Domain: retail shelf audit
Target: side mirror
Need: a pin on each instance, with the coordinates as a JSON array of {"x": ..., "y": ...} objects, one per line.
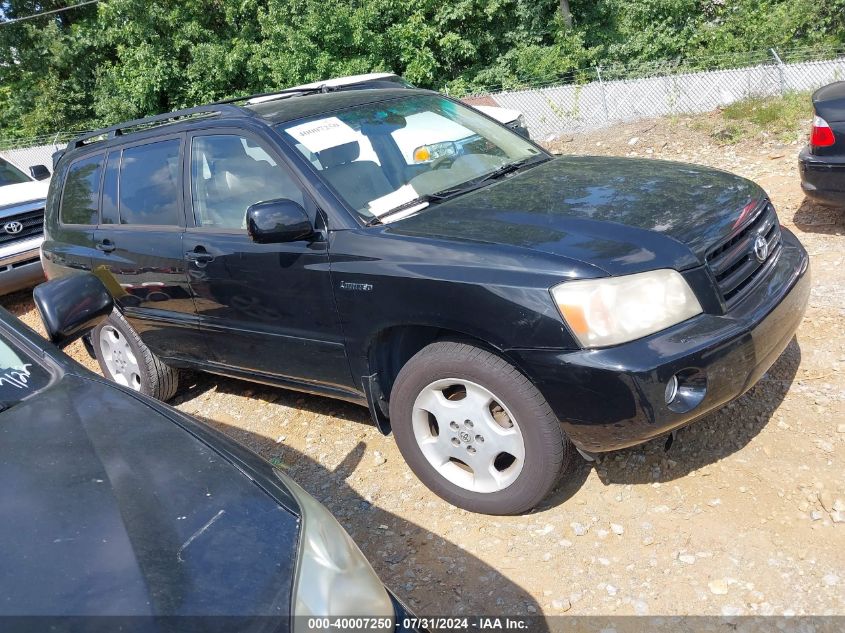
[
  {"x": 72, "y": 306},
  {"x": 276, "y": 221},
  {"x": 39, "y": 172}
]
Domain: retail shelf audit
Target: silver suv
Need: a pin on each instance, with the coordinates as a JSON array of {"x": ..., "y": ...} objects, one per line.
[{"x": 22, "y": 199}]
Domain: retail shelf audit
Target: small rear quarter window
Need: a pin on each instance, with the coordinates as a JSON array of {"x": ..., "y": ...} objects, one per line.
[{"x": 82, "y": 191}]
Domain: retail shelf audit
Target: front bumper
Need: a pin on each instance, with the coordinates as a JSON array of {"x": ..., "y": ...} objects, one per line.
[
  {"x": 822, "y": 177},
  {"x": 612, "y": 398},
  {"x": 20, "y": 265}
]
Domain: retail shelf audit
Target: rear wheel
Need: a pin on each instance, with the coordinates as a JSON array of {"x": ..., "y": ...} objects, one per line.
[
  {"x": 475, "y": 430},
  {"x": 124, "y": 359}
]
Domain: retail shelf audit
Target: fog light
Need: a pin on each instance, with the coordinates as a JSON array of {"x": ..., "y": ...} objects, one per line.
[
  {"x": 671, "y": 389},
  {"x": 686, "y": 390}
]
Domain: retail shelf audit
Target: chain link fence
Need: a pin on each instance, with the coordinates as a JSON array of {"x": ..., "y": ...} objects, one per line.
[
  {"x": 600, "y": 97},
  {"x": 26, "y": 157},
  {"x": 37, "y": 150}
]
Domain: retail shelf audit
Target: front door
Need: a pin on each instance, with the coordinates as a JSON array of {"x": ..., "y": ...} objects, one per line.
[
  {"x": 264, "y": 308},
  {"x": 138, "y": 246}
]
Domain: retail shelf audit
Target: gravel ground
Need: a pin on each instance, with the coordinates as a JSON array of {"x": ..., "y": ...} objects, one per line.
[{"x": 744, "y": 515}]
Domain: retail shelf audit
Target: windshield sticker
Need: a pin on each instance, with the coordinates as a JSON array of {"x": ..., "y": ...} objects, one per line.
[
  {"x": 16, "y": 376},
  {"x": 403, "y": 195},
  {"x": 323, "y": 133}
]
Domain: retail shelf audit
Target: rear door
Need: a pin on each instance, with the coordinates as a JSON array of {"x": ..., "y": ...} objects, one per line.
[
  {"x": 264, "y": 308},
  {"x": 138, "y": 245}
]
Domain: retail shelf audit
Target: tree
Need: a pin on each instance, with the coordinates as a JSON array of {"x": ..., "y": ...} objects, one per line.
[
  {"x": 566, "y": 13},
  {"x": 120, "y": 59}
]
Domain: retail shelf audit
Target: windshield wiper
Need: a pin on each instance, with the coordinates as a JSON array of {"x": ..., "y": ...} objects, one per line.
[
  {"x": 507, "y": 168},
  {"x": 427, "y": 198},
  {"x": 451, "y": 192}
]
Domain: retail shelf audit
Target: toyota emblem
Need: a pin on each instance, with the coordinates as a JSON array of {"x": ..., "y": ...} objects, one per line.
[
  {"x": 13, "y": 227},
  {"x": 761, "y": 248}
]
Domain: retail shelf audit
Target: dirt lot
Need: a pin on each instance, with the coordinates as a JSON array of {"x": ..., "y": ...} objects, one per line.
[{"x": 744, "y": 515}]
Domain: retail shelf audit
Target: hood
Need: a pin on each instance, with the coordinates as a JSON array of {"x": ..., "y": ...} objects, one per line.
[
  {"x": 502, "y": 115},
  {"x": 109, "y": 508},
  {"x": 23, "y": 192},
  {"x": 621, "y": 215}
]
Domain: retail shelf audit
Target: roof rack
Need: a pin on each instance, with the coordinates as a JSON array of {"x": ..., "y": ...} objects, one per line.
[
  {"x": 303, "y": 91},
  {"x": 281, "y": 94},
  {"x": 120, "y": 129}
]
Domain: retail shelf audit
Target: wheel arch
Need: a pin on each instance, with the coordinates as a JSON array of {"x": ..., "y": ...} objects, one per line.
[{"x": 392, "y": 347}]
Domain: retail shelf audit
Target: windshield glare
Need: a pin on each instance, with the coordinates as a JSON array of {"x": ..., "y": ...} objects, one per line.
[
  {"x": 382, "y": 156},
  {"x": 11, "y": 175}
]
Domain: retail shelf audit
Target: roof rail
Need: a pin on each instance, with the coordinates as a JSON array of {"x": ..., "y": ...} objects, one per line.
[
  {"x": 120, "y": 129},
  {"x": 281, "y": 93},
  {"x": 305, "y": 90}
]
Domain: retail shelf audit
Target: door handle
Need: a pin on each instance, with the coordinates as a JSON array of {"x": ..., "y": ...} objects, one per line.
[
  {"x": 199, "y": 256},
  {"x": 107, "y": 246}
]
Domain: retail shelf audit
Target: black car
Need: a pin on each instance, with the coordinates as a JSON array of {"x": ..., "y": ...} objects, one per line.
[
  {"x": 494, "y": 306},
  {"x": 822, "y": 161},
  {"x": 115, "y": 504}
]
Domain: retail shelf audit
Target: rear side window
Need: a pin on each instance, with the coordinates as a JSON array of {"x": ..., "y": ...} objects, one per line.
[
  {"x": 149, "y": 184},
  {"x": 81, "y": 191},
  {"x": 108, "y": 207}
]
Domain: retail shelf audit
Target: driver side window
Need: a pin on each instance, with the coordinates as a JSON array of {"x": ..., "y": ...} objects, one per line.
[{"x": 230, "y": 173}]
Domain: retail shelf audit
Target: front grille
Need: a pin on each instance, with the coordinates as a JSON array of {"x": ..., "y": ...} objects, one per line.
[
  {"x": 33, "y": 226},
  {"x": 735, "y": 264}
]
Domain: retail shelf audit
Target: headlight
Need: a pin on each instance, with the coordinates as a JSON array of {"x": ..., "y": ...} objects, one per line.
[
  {"x": 333, "y": 578},
  {"x": 615, "y": 310}
]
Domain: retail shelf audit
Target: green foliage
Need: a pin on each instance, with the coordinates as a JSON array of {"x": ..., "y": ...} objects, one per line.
[
  {"x": 121, "y": 59},
  {"x": 785, "y": 118}
]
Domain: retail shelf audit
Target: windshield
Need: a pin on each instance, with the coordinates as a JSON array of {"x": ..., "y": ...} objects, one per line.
[
  {"x": 404, "y": 153},
  {"x": 11, "y": 175},
  {"x": 20, "y": 375}
]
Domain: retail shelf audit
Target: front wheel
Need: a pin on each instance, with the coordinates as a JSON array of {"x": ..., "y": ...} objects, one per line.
[
  {"x": 126, "y": 360},
  {"x": 475, "y": 430}
]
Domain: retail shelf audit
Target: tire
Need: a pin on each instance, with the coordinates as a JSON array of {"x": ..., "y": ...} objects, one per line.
[
  {"x": 487, "y": 470},
  {"x": 126, "y": 360}
]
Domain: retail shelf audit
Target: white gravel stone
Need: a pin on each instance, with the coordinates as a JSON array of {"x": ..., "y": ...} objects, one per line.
[
  {"x": 718, "y": 587},
  {"x": 561, "y": 604},
  {"x": 617, "y": 529}
]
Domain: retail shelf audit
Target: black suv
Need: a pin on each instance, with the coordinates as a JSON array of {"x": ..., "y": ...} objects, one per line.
[{"x": 493, "y": 305}]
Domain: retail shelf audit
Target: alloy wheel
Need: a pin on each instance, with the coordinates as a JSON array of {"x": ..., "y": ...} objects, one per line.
[
  {"x": 468, "y": 435},
  {"x": 119, "y": 358}
]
